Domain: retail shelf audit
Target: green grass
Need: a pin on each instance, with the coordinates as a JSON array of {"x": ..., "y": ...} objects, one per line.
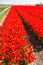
[
  {"x": 2, "y": 7},
  {"x": 2, "y": 16}
]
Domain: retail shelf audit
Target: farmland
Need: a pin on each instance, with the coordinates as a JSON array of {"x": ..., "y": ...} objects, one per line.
[{"x": 28, "y": 21}]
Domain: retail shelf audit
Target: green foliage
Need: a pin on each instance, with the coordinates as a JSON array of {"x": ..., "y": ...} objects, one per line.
[
  {"x": 40, "y": 40},
  {"x": 23, "y": 62},
  {"x": 5, "y": 61},
  {"x": 13, "y": 63}
]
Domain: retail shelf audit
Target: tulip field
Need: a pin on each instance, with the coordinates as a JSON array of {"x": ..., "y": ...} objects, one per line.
[
  {"x": 15, "y": 47},
  {"x": 33, "y": 19}
]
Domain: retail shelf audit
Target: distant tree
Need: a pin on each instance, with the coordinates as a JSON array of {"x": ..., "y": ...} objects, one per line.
[{"x": 40, "y": 4}]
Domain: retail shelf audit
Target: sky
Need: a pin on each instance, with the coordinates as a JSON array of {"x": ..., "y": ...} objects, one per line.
[{"x": 21, "y": 2}]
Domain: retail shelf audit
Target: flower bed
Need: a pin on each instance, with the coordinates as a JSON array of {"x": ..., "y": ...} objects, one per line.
[
  {"x": 14, "y": 47},
  {"x": 33, "y": 20}
]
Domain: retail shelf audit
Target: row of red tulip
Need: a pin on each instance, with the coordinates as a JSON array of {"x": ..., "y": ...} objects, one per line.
[
  {"x": 13, "y": 40},
  {"x": 33, "y": 18}
]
